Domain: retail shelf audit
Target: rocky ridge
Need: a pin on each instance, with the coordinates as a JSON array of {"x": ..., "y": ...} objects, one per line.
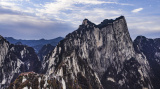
[
  {"x": 107, "y": 50},
  {"x": 15, "y": 59},
  {"x": 150, "y": 48}
]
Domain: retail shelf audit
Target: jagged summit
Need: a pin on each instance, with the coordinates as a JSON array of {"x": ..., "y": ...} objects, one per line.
[
  {"x": 87, "y": 22},
  {"x": 103, "y": 23},
  {"x": 87, "y": 25},
  {"x": 102, "y": 52},
  {"x": 121, "y": 17}
]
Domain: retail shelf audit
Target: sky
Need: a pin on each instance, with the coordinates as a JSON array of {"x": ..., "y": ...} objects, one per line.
[{"x": 36, "y": 19}]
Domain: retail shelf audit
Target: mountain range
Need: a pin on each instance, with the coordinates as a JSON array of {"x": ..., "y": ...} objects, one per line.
[
  {"x": 94, "y": 56},
  {"x": 36, "y": 44}
]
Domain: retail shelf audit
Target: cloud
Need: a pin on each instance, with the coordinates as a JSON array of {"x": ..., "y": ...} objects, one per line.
[
  {"x": 7, "y": 11},
  {"x": 137, "y": 10},
  {"x": 69, "y": 11},
  {"x": 61, "y": 5},
  {"x": 96, "y": 15},
  {"x": 55, "y": 18},
  {"x": 146, "y": 25},
  {"x": 14, "y": 0},
  {"x": 28, "y": 27},
  {"x": 52, "y": 18},
  {"x": 16, "y": 7},
  {"x": 89, "y": 1},
  {"x": 55, "y": 9}
]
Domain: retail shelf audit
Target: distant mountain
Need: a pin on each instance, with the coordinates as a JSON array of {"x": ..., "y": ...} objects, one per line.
[
  {"x": 150, "y": 48},
  {"x": 36, "y": 44},
  {"x": 16, "y": 59}
]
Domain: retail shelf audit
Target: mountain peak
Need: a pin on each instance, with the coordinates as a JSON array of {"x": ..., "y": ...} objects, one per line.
[
  {"x": 109, "y": 21},
  {"x": 1, "y": 37},
  {"x": 103, "y": 23},
  {"x": 121, "y": 17},
  {"x": 86, "y": 22},
  {"x": 105, "y": 49},
  {"x": 140, "y": 37}
]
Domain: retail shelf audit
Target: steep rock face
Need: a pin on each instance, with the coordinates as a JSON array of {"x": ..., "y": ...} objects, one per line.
[
  {"x": 150, "y": 48},
  {"x": 100, "y": 54},
  {"x": 76, "y": 72},
  {"x": 44, "y": 51},
  {"x": 28, "y": 56},
  {"x": 16, "y": 59},
  {"x": 4, "y": 46}
]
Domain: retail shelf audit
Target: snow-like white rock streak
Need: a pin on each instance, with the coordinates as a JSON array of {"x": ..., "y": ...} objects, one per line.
[
  {"x": 25, "y": 88},
  {"x": 111, "y": 79},
  {"x": 63, "y": 84},
  {"x": 24, "y": 79}
]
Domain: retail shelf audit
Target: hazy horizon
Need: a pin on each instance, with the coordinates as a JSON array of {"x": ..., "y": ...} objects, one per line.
[{"x": 34, "y": 39}]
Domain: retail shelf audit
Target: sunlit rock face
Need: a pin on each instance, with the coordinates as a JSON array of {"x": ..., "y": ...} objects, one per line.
[
  {"x": 150, "y": 48},
  {"x": 99, "y": 56},
  {"x": 15, "y": 59}
]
